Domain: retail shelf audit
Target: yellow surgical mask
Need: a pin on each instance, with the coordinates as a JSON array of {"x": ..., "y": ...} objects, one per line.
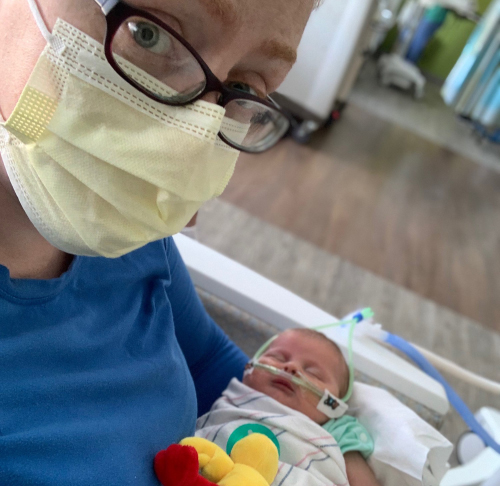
[{"x": 99, "y": 168}]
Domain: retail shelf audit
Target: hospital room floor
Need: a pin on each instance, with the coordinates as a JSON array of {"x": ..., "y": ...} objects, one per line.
[{"x": 374, "y": 212}]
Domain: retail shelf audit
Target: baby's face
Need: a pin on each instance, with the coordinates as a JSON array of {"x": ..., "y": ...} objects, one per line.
[{"x": 295, "y": 352}]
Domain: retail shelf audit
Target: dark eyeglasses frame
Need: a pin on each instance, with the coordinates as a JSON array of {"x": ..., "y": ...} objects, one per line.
[{"x": 117, "y": 11}]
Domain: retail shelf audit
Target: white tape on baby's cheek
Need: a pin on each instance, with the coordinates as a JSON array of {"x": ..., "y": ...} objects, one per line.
[
  {"x": 332, "y": 406},
  {"x": 248, "y": 369}
]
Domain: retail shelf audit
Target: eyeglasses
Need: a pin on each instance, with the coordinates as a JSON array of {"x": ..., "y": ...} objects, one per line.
[{"x": 159, "y": 63}]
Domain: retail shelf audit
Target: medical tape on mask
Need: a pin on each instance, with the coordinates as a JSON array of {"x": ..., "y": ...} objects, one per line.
[{"x": 329, "y": 404}]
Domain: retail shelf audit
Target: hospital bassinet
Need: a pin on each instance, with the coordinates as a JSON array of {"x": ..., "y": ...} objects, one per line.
[
  {"x": 249, "y": 333},
  {"x": 251, "y": 308}
]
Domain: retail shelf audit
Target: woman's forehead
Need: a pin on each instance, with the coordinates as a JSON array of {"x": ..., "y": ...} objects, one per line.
[
  {"x": 284, "y": 18},
  {"x": 260, "y": 36},
  {"x": 236, "y": 9}
]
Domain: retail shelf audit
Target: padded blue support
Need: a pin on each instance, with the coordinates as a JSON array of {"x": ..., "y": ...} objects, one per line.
[{"x": 452, "y": 395}]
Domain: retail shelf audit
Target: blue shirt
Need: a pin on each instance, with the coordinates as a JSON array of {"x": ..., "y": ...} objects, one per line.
[{"x": 101, "y": 368}]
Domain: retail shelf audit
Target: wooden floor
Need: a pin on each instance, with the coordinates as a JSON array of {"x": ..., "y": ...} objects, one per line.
[{"x": 390, "y": 202}]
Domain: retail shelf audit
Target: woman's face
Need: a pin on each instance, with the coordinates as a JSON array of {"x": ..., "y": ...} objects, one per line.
[
  {"x": 252, "y": 42},
  {"x": 249, "y": 42}
]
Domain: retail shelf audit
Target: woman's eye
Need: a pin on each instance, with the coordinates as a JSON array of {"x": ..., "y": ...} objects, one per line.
[
  {"x": 150, "y": 37},
  {"x": 243, "y": 87}
]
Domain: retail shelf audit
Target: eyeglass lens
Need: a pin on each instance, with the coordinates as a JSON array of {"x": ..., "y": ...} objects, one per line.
[
  {"x": 153, "y": 58},
  {"x": 252, "y": 125},
  {"x": 157, "y": 61}
]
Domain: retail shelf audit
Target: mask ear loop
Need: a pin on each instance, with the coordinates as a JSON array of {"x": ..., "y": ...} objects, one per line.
[{"x": 54, "y": 42}]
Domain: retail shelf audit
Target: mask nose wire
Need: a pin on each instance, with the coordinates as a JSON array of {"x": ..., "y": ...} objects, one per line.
[{"x": 56, "y": 43}]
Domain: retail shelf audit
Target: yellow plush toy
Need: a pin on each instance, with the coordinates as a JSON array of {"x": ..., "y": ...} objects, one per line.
[{"x": 253, "y": 462}]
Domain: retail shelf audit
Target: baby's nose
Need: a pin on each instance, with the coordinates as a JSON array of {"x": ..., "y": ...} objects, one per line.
[{"x": 291, "y": 368}]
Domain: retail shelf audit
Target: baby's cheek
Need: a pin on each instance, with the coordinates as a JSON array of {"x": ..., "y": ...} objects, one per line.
[
  {"x": 260, "y": 381},
  {"x": 253, "y": 380}
]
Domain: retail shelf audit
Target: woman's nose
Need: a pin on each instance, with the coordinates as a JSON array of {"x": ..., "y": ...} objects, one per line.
[{"x": 212, "y": 97}]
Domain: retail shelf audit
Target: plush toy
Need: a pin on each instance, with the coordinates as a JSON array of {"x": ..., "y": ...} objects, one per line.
[{"x": 199, "y": 462}]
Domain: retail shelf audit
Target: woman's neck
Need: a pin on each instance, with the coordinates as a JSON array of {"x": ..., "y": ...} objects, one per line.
[{"x": 22, "y": 249}]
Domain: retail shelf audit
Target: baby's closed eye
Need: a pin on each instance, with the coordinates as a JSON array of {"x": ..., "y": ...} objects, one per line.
[
  {"x": 315, "y": 373},
  {"x": 276, "y": 356}
]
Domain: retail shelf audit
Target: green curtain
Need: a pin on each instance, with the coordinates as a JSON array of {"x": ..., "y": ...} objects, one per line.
[{"x": 445, "y": 48}]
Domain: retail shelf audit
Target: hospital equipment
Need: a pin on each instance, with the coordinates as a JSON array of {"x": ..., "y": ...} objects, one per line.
[
  {"x": 394, "y": 69},
  {"x": 487, "y": 462},
  {"x": 329, "y": 57},
  {"x": 484, "y": 467},
  {"x": 473, "y": 86},
  {"x": 383, "y": 21},
  {"x": 265, "y": 300}
]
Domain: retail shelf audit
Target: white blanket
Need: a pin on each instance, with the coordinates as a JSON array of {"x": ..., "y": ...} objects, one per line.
[
  {"x": 408, "y": 451},
  {"x": 309, "y": 456}
]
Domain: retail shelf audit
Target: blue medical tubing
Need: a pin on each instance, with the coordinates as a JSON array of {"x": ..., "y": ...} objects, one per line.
[
  {"x": 452, "y": 395},
  {"x": 355, "y": 318}
]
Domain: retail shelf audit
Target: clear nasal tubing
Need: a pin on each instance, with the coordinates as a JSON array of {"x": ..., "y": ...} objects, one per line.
[
  {"x": 298, "y": 379},
  {"x": 329, "y": 404}
]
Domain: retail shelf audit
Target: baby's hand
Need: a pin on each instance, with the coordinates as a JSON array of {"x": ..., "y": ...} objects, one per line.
[{"x": 359, "y": 472}]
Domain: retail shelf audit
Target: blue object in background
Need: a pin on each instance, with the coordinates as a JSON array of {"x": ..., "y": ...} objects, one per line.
[
  {"x": 459, "y": 405},
  {"x": 473, "y": 86},
  {"x": 431, "y": 22}
]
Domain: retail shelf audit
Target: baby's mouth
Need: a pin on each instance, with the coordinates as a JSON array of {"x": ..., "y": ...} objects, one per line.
[{"x": 283, "y": 384}]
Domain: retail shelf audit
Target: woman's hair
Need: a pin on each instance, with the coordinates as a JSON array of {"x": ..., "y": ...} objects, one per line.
[{"x": 344, "y": 381}]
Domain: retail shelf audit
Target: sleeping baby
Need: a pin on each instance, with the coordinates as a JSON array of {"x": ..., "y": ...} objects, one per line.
[{"x": 292, "y": 387}]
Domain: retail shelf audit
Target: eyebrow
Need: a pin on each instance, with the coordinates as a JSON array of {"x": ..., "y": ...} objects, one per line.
[
  {"x": 277, "y": 50},
  {"x": 225, "y": 11},
  {"x": 222, "y": 10}
]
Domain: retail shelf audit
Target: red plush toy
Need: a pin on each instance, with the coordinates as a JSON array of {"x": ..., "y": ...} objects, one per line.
[
  {"x": 178, "y": 466},
  {"x": 253, "y": 461}
]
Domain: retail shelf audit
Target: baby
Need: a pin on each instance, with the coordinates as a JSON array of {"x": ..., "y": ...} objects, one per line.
[{"x": 311, "y": 356}]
